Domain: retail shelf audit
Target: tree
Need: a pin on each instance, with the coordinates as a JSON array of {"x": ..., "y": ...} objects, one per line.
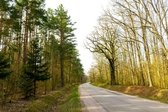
[
  {"x": 35, "y": 70},
  {"x": 4, "y": 66},
  {"x": 20, "y": 22},
  {"x": 142, "y": 29},
  {"x": 33, "y": 13},
  {"x": 104, "y": 41},
  {"x": 65, "y": 32}
]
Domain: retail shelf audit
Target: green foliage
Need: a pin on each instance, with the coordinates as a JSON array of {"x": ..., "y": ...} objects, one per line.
[
  {"x": 4, "y": 66},
  {"x": 26, "y": 85},
  {"x": 4, "y": 6},
  {"x": 36, "y": 14},
  {"x": 64, "y": 23},
  {"x": 65, "y": 28},
  {"x": 65, "y": 43},
  {"x": 35, "y": 70},
  {"x": 31, "y": 61},
  {"x": 37, "y": 67}
]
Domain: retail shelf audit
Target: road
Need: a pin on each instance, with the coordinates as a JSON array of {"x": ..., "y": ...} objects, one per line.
[{"x": 97, "y": 99}]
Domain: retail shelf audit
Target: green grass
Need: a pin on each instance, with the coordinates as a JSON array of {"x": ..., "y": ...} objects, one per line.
[
  {"x": 71, "y": 102},
  {"x": 44, "y": 104},
  {"x": 64, "y": 100}
]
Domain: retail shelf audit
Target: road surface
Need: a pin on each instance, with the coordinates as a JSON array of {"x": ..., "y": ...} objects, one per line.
[{"x": 97, "y": 99}]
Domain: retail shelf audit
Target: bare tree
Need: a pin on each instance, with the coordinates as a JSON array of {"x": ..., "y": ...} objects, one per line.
[{"x": 104, "y": 41}]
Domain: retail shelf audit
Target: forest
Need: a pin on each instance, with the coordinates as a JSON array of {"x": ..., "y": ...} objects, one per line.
[
  {"x": 130, "y": 44},
  {"x": 38, "y": 51},
  {"x": 39, "y": 56}
]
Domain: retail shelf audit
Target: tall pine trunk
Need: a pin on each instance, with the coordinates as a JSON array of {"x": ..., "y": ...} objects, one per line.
[
  {"x": 62, "y": 59},
  {"x": 25, "y": 38}
]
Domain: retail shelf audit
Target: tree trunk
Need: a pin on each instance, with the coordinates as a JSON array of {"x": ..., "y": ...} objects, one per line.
[
  {"x": 34, "y": 88},
  {"x": 112, "y": 71},
  {"x": 62, "y": 59},
  {"x": 62, "y": 70},
  {"x": 25, "y": 38}
]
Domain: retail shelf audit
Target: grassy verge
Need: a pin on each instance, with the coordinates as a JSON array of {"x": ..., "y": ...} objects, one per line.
[
  {"x": 64, "y": 100},
  {"x": 141, "y": 91},
  {"x": 71, "y": 103}
]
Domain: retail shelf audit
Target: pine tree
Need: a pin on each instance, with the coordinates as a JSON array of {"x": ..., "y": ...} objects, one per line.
[
  {"x": 4, "y": 66},
  {"x": 65, "y": 29},
  {"x": 35, "y": 70}
]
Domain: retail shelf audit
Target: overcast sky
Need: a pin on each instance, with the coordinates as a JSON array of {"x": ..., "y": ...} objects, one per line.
[{"x": 86, "y": 14}]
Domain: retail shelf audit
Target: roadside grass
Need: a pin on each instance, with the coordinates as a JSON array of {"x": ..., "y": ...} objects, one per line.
[
  {"x": 71, "y": 103},
  {"x": 45, "y": 103},
  {"x": 64, "y": 100},
  {"x": 141, "y": 91}
]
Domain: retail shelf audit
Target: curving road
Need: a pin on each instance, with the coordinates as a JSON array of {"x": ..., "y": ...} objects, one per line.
[{"x": 97, "y": 99}]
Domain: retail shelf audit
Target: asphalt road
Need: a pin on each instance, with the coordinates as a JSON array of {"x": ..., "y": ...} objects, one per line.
[{"x": 97, "y": 99}]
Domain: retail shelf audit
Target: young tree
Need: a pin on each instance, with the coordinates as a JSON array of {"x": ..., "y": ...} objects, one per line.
[
  {"x": 35, "y": 70},
  {"x": 4, "y": 66}
]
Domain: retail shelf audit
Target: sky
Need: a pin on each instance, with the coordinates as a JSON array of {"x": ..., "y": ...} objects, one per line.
[{"x": 85, "y": 13}]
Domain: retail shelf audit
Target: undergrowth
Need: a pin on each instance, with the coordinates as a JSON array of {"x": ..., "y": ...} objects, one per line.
[
  {"x": 64, "y": 100},
  {"x": 71, "y": 103}
]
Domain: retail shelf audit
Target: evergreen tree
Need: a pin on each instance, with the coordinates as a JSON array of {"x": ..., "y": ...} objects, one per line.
[
  {"x": 35, "y": 70},
  {"x": 34, "y": 15},
  {"x": 65, "y": 29},
  {"x": 4, "y": 66}
]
